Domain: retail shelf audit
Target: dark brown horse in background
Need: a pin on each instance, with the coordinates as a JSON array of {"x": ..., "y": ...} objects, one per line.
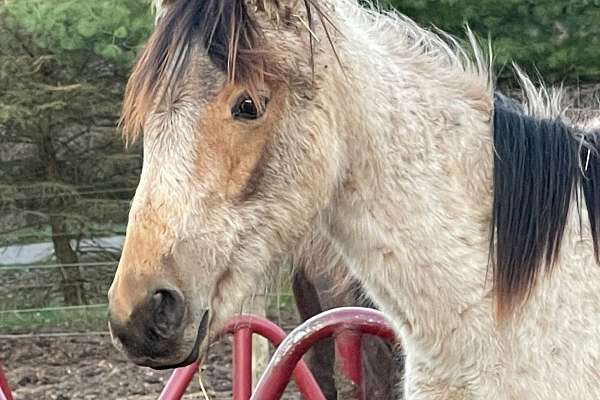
[{"x": 317, "y": 289}]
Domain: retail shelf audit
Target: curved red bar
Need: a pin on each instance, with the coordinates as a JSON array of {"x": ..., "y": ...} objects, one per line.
[{"x": 289, "y": 353}]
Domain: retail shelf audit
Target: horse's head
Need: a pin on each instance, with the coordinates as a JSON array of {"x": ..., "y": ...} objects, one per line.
[{"x": 240, "y": 155}]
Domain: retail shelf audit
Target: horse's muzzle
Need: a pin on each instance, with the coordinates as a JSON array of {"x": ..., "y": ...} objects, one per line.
[{"x": 156, "y": 334}]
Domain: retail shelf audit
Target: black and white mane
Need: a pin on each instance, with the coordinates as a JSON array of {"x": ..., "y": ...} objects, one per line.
[{"x": 541, "y": 166}]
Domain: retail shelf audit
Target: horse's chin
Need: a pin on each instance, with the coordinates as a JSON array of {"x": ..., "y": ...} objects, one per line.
[{"x": 196, "y": 354}]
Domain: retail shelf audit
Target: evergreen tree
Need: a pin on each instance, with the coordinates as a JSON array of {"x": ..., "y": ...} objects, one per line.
[
  {"x": 560, "y": 39},
  {"x": 63, "y": 172}
]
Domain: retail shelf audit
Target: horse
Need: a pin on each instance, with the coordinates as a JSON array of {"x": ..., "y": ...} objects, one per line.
[
  {"x": 321, "y": 281},
  {"x": 471, "y": 224}
]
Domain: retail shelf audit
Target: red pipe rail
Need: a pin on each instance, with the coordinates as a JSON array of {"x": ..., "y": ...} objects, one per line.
[
  {"x": 347, "y": 323},
  {"x": 5, "y": 393},
  {"x": 242, "y": 329},
  {"x": 348, "y": 345},
  {"x": 178, "y": 382}
]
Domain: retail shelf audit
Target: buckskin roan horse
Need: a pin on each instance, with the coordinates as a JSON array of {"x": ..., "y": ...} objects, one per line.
[{"x": 472, "y": 225}]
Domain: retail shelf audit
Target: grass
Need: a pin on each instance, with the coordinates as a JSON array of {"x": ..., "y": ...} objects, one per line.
[
  {"x": 31, "y": 299},
  {"x": 92, "y": 317}
]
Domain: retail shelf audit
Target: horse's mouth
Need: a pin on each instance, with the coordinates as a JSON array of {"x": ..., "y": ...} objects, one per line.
[{"x": 199, "y": 345}]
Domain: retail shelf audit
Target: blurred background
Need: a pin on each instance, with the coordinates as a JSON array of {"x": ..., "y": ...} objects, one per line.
[{"x": 66, "y": 179}]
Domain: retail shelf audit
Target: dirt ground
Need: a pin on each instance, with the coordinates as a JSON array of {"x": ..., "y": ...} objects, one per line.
[{"x": 87, "y": 366}]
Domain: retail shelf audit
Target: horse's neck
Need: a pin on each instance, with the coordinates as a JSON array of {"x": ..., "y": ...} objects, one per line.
[
  {"x": 419, "y": 147},
  {"x": 408, "y": 105}
]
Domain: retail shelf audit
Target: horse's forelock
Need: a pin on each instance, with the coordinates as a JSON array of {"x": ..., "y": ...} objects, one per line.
[{"x": 229, "y": 34}]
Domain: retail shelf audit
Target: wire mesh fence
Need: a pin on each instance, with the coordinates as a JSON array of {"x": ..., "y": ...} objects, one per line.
[{"x": 32, "y": 297}]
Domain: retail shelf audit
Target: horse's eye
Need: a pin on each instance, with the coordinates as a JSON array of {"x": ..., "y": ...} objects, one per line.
[{"x": 245, "y": 108}]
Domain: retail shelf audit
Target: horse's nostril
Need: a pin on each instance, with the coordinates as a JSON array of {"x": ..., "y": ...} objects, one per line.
[{"x": 168, "y": 311}]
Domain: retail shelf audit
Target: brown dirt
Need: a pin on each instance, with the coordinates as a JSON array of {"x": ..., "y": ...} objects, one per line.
[{"x": 88, "y": 367}]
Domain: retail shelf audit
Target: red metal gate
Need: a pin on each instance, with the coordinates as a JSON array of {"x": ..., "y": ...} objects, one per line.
[
  {"x": 347, "y": 325},
  {"x": 5, "y": 393},
  {"x": 242, "y": 329}
]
